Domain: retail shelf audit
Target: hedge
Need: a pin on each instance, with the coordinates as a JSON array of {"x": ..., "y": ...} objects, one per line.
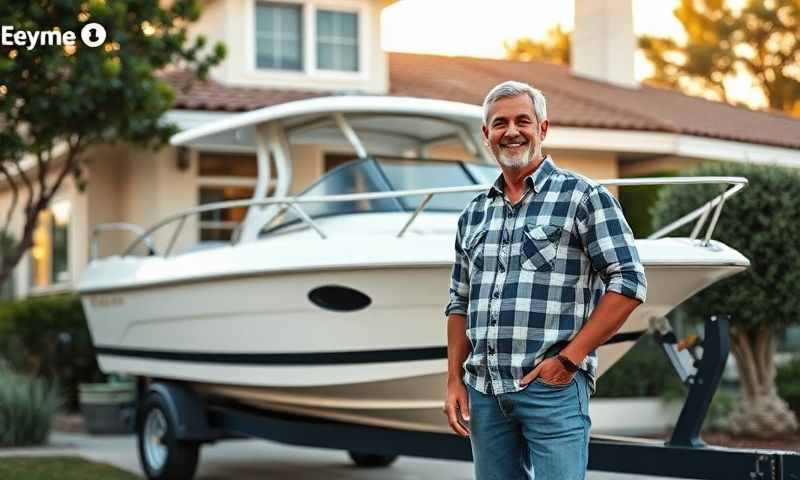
[{"x": 48, "y": 337}]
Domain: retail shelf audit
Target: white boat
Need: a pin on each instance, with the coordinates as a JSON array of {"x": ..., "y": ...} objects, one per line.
[{"x": 331, "y": 303}]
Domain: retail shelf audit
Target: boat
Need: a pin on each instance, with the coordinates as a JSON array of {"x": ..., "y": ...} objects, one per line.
[{"x": 330, "y": 303}]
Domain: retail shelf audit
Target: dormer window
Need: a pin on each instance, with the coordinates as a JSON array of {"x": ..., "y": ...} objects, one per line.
[
  {"x": 337, "y": 40},
  {"x": 298, "y": 35},
  {"x": 279, "y": 36}
]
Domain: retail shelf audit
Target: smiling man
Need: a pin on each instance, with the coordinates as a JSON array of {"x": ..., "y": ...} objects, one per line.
[{"x": 546, "y": 271}]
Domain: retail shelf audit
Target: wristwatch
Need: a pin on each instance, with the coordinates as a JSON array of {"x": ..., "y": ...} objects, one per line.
[{"x": 568, "y": 365}]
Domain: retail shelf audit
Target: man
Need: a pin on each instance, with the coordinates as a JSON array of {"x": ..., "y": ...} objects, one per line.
[{"x": 546, "y": 271}]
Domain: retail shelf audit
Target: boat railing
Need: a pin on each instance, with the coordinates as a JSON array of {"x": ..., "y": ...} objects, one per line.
[{"x": 712, "y": 208}]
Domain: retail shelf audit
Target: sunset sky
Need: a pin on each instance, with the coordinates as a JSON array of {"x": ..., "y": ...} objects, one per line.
[{"x": 477, "y": 28}]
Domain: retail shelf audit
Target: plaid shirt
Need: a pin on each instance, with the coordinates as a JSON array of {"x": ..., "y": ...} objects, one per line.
[{"x": 528, "y": 275}]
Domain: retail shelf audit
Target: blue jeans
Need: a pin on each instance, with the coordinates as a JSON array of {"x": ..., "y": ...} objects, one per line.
[{"x": 543, "y": 429}]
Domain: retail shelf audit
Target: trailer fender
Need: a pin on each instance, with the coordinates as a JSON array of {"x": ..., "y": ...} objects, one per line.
[{"x": 187, "y": 410}]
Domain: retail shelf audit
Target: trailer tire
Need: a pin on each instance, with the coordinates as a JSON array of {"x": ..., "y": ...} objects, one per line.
[
  {"x": 162, "y": 456},
  {"x": 371, "y": 460}
]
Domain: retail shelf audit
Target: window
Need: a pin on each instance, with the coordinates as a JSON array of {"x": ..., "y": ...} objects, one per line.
[
  {"x": 337, "y": 40},
  {"x": 222, "y": 178},
  {"x": 279, "y": 36},
  {"x": 50, "y": 250}
]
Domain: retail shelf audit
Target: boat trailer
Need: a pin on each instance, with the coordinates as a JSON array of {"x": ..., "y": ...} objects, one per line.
[{"x": 699, "y": 364}]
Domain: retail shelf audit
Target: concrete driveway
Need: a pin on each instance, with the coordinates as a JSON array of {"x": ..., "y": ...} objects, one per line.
[{"x": 258, "y": 459}]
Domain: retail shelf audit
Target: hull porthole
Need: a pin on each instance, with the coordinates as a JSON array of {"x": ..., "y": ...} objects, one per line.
[{"x": 339, "y": 298}]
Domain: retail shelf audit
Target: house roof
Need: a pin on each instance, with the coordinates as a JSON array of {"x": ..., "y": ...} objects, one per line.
[{"x": 572, "y": 101}]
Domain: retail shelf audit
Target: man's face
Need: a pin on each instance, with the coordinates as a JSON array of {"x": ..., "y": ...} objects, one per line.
[{"x": 512, "y": 132}]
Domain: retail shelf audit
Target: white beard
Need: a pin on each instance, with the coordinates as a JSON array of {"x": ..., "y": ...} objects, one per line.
[{"x": 523, "y": 160}]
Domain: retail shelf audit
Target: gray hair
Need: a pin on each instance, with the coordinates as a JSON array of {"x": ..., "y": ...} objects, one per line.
[{"x": 513, "y": 89}]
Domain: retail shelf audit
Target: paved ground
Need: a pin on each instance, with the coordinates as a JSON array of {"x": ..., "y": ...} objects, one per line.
[{"x": 256, "y": 459}]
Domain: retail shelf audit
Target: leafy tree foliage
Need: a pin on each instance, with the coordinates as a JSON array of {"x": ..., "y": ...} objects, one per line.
[
  {"x": 761, "y": 223},
  {"x": 58, "y": 101},
  {"x": 554, "y": 48},
  {"x": 762, "y": 41}
]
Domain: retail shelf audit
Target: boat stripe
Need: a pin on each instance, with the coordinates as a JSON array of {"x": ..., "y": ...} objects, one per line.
[
  {"x": 293, "y": 358},
  {"x": 305, "y": 358}
]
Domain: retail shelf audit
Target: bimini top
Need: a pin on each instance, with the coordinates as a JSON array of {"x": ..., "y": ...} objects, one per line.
[{"x": 388, "y": 123}]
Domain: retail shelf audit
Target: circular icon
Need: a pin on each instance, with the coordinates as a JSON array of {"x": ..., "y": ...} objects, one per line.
[{"x": 93, "y": 34}]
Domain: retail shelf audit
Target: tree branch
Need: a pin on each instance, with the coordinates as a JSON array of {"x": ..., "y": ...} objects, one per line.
[
  {"x": 12, "y": 206},
  {"x": 69, "y": 165}
]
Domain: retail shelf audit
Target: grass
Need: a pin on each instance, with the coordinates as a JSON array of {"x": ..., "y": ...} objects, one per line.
[{"x": 59, "y": 468}]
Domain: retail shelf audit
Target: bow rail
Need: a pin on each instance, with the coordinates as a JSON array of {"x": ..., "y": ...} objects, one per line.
[{"x": 711, "y": 208}]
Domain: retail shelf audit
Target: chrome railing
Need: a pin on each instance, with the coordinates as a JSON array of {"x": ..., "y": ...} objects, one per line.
[{"x": 711, "y": 208}]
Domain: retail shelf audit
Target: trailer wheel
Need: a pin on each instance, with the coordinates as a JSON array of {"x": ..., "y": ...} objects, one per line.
[
  {"x": 369, "y": 460},
  {"x": 162, "y": 456}
]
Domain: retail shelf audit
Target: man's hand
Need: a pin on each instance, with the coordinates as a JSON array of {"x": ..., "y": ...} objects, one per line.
[
  {"x": 551, "y": 370},
  {"x": 457, "y": 404}
]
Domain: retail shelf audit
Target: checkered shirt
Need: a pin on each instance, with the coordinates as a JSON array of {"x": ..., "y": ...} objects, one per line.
[{"x": 528, "y": 275}]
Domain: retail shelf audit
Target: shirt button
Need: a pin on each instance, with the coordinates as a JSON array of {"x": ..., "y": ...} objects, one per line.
[
  {"x": 502, "y": 268},
  {"x": 493, "y": 323},
  {"x": 496, "y": 294},
  {"x": 491, "y": 351}
]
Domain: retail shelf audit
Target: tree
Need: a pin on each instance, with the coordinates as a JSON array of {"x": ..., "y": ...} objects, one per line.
[
  {"x": 57, "y": 101},
  {"x": 554, "y": 48},
  {"x": 761, "y": 223},
  {"x": 761, "y": 41}
]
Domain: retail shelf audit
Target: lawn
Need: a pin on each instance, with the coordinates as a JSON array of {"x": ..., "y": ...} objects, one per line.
[{"x": 59, "y": 468}]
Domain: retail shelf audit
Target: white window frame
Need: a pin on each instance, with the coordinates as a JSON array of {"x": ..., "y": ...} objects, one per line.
[
  {"x": 303, "y": 34},
  {"x": 54, "y": 286},
  {"x": 309, "y": 15},
  {"x": 359, "y": 46}
]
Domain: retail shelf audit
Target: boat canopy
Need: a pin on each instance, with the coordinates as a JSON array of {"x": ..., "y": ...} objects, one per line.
[{"x": 382, "y": 125}]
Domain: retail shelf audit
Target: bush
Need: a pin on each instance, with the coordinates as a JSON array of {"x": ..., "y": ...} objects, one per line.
[
  {"x": 48, "y": 337},
  {"x": 643, "y": 372},
  {"x": 27, "y": 406},
  {"x": 788, "y": 381}
]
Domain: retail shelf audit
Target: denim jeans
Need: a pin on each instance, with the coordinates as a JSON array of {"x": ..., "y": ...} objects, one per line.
[{"x": 541, "y": 430}]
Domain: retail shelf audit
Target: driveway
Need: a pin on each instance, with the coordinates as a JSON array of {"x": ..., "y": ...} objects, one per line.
[{"x": 258, "y": 459}]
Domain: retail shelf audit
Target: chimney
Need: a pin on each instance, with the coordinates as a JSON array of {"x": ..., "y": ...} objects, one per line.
[{"x": 603, "y": 44}]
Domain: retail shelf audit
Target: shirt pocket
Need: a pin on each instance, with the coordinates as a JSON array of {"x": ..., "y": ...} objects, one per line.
[
  {"x": 539, "y": 247},
  {"x": 473, "y": 248}
]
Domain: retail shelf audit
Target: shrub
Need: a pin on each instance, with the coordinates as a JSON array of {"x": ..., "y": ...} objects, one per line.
[
  {"x": 788, "y": 381},
  {"x": 643, "y": 372},
  {"x": 48, "y": 337},
  {"x": 27, "y": 406}
]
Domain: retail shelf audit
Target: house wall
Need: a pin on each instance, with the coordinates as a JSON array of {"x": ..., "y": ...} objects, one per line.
[
  {"x": 233, "y": 23},
  {"x": 78, "y": 256}
]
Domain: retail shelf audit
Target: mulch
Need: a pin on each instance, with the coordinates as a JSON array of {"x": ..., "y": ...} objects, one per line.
[{"x": 788, "y": 442}]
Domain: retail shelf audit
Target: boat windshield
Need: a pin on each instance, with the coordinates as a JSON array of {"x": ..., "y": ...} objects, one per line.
[{"x": 391, "y": 174}]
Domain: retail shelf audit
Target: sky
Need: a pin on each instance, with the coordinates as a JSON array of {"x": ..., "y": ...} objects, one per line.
[{"x": 478, "y": 28}]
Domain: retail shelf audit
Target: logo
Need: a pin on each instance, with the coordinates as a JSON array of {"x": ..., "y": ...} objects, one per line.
[{"x": 92, "y": 34}]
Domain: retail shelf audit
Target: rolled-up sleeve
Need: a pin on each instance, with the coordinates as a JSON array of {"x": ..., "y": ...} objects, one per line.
[
  {"x": 459, "y": 279},
  {"x": 608, "y": 241}
]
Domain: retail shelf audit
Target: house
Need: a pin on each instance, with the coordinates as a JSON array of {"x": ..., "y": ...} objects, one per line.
[{"x": 604, "y": 124}]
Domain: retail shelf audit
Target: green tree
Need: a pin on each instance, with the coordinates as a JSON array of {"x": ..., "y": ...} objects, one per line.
[
  {"x": 761, "y": 41},
  {"x": 56, "y": 102},
  {"x": 554, "y": 47},
  {"x": 761, "y": 223}
]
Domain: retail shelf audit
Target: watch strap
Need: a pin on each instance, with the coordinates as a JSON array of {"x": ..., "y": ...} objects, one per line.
[{"x": 568, "y": 365}]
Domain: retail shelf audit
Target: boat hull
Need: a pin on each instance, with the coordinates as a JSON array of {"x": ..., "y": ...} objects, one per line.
[{"x": 259, "y": 340}]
